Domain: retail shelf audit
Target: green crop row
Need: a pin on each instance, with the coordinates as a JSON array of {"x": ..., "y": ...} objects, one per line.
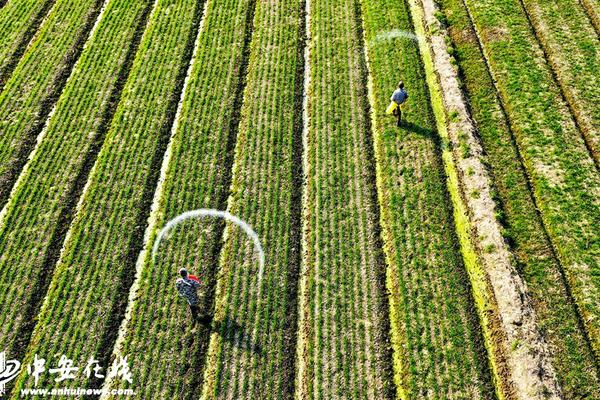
[
  {"x": 572, "y": 358},
  {"x": 436, "y": 337},
  {"x": 573, "y": 49},
  {"x": 37, "y": 82},
  {"x": 251, "y": 352},
  {"x": 563, "y": 176},
  {"x": 344, "y": 311},
  {"x": 197, "y": 176},
  {"x": 19, "y": 21},
  {"x": 97, "y": 263},
  {"x": 38, "y": 214}
]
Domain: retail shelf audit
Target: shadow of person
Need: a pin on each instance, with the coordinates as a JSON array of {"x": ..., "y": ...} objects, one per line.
[
  {"x": 231, "y": 331},
  {"x": 419, "y": 130}
]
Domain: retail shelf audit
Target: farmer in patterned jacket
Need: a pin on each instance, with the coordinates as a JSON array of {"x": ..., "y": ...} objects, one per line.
[{"x": 187, "y": 286}]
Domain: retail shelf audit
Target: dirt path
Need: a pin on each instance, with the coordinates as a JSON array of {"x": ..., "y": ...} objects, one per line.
[{"x": 527, "y": 354}]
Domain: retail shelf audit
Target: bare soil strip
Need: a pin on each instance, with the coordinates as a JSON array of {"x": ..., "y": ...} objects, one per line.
[
  {"x": 527, "y": 355},
  {"x": 302, "y": 354}
]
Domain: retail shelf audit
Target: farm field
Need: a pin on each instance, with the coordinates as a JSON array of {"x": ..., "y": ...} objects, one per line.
[{"x": 339, "y": 256}]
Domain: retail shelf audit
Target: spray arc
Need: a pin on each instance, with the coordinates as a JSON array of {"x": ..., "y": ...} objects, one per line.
[{"x": 212, "y": 213}]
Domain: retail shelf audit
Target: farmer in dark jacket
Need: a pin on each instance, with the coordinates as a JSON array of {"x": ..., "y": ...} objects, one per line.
[
  {"x": 397, "y": 101},
  {"x": 187, "y": 287}
]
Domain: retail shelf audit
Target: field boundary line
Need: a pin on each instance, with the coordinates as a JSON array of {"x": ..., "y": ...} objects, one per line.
[
  {"x": 382, "y": 264},
  {"x": 152, "y": 219},
  {"x": 530, "y": 188},
  {"x": 297, "y": 196},
  {"x": 302, "y": 365},
  {"x": 29, "y": 37},
  {"x": 531, "y": 372},
  {"x": 34, "y": 134},
  {"x": 554, "y": 70}
]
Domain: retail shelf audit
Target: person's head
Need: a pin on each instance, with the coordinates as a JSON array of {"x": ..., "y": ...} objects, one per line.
[
  {"x": 183, "y": 272},
  {"x": 400, "y": 85}
]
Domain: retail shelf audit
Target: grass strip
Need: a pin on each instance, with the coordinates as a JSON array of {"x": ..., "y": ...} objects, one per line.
[
  {"x": 571, "y": 354},
  {"x": 38, "y": 81},
  {"x": 196, "y": 175},
  {"x": 251, "y": 353},
  {"x": 572, "y": 48},
  {"x": 564, "y": 179},
  {"x": 344, "y": 306},
  {"x": 39, "y": 212},
  {"x": 19, "y": 21},
  {"x": 436, "y": 336}
]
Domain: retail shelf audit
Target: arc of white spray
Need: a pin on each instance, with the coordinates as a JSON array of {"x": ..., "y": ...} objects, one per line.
[
  {"x": 393, "y": 34},
  {"x": 209, "y": 212}
]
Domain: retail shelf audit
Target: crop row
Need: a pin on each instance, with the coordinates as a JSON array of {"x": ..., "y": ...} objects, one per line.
[
  {"x": 38, "y": 213},
  {"x": 97, "y": 263},
  {"x": 196, "y": 174},
  {"x": 572, "y": 48},
  {"x": 344, "y": 350},
  {"x": 563, "y": 176},
  {"x": 37, "y": 82},
  {"x": 19, "y": 20},
  {"x": 435, "y": 333},
  {"x": 572, "y": 358},
  {"x": 251, "y": 351}
]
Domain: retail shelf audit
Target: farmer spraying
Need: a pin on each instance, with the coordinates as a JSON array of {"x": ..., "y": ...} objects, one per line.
[
  {"x": 187, "y": 286},
  {"x": 397, "y": 102}
]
